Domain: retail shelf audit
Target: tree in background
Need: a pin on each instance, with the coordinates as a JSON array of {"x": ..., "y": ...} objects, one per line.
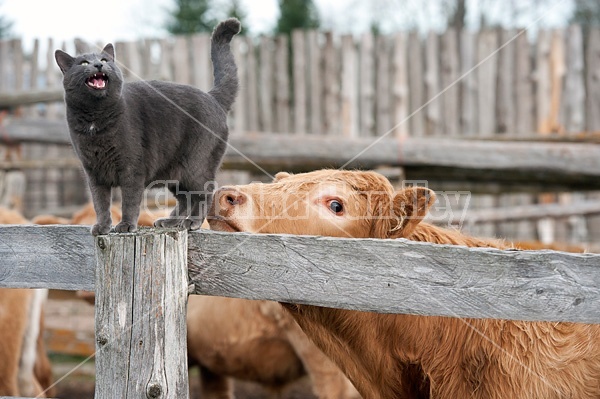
[
  {"x": 236, "y": 10},
  {"x": 296, "y": 14},
  {"x": 455, "y": 13},
  {"x": 191, "y": 16},
  {"x": 586, "y": 14},
  {"x": 5, "y": 26}
]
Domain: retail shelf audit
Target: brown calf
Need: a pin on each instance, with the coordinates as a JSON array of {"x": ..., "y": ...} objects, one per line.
[{"x": 407, "y": 356}]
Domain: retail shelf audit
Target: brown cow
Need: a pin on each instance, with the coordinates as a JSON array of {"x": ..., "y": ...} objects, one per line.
[
  {"x": 409, "y": 356},
  {"x": 24, "y": 365}
]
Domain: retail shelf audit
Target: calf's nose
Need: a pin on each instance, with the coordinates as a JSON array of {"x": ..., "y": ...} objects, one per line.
[{"x": 229, "y": 197}]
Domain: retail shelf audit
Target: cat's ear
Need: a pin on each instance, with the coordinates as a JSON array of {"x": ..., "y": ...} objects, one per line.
[
  {"x": 110, "y": 51},
  {"x": 64, "y": 60}
]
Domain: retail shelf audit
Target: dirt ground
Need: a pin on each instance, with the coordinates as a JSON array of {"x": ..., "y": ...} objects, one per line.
[{"x": 69, "y": 325}]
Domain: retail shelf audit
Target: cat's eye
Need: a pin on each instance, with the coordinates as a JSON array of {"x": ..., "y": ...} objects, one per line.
[
  {"x": 104, "y": 60},
  {"x": 84, "y": 63}
]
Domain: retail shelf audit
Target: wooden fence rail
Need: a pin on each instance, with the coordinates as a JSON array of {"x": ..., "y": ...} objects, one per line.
[
  {"x": 528, "y": 166},
  {"x": 142, "y": 281}
]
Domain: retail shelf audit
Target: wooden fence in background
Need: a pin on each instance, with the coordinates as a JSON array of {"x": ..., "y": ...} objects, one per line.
[
  {"x": 472, "y": 83},
  {"x": 492, "y": 83}
]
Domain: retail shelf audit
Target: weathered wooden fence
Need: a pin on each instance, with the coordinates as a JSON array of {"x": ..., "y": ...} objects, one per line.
[
  {"x": 489, "y": 84},
  {"x": 449, "y": 84},
  {"x": 142, "y": 281}
]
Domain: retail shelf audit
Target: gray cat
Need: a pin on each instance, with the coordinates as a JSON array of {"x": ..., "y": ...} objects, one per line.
[{"x": 129, "y": 135}]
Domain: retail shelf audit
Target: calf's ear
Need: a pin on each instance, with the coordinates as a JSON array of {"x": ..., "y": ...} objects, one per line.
[
  {"x": 410, "y": 206},
  {"x": 280, "y": 176}
]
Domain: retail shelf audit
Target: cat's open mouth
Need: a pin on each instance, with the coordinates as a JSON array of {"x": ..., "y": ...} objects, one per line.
[{"x": 97, "y": 81}]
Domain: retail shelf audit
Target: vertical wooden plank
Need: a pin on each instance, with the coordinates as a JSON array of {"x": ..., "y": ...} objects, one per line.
[
  {"x": 51, "y": 77},
  {"x": 3, "y": 65},
  {"x": 468, "y": 85},
  {"x": 300, "y": 83},
  {"x": 593, "y": 80},
  {"x": 506, "y": 117},
  {"x": 122, "y": 58},
  {"x": 366, "y": 99},
  {"x": 316, "y": 89},
  {"x": 573, "y": 104},
  {"x": 266, "y": 81},
  {"x": 525, "y": 117},
  {"x": 165, "y": 69},
  {"x": 557, "y": 72},
  {"x": 349, "y": 95},
  {"x": 201, "y": 63},
  {"x": 433, "y": 110},
  {"x": 524, "y": 100},
  {"x": 181, "y": 60},
  {"x": 34, "y": 65},
  {"x": 141, "y": 295},
  {"x": 81, "y": 46},
  {"x": 416, "y": 87},
  {"x": 450, "y": 69},
  {"x": 136, "y": 70},
  {"x": 251, "y": 88},
  {"x": 543, "y": 81},
  {"x": 487, "y": 43},
  {"x": 400, "y": 98},
  {"x": 331, "y": 86},
  {"x": 383, "y": 86},
  {"x": 33, "y": 82},
  {"x": 486, "y": 77},
  {"x": 282, "y": 84},
  {"x": 505, "y": 107},
  {"x": 240, "y": 121},
  {"x": 17, "y": 49}
]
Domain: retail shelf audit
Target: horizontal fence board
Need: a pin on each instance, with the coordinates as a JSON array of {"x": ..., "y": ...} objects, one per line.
[
  {"x": 463, "y": 153},
  {"x": 535, "y": 211},
  {"x": 398, "y": 276},
  {"x": 56, "y": 257},
  {"x": 390, "y": 276}
]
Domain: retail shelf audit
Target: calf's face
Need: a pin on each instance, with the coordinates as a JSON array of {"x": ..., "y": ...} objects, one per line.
[{"x": 326, "y": 202}]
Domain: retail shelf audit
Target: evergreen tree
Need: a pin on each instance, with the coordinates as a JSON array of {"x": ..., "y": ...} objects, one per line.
[
  {"x": 296, "y": 14},
  {"x": 587, "y": 13},
  {"x": 191, "y": 16},
  {"x": 237, "y": 11},
  {"x": 5, "y": 26}
]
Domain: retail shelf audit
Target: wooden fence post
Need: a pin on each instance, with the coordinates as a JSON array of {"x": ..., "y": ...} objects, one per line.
[{"x": 141, "y": 296}]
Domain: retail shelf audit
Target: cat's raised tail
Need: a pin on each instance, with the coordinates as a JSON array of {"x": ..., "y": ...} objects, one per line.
[{"x": 224, "y": 68}]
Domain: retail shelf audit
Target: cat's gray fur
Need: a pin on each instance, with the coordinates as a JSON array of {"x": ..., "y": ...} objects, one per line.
[{"x": 130, "y": 135}]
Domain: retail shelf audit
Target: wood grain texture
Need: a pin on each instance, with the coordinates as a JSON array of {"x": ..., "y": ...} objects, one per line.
[
  {"x": 55, "y": 257},
  {"x": 266, "y": 80},
  {"x": 397, "y": 276},
  {"x": 300, "y": 83},
  {"x": 141, "y": 300}
]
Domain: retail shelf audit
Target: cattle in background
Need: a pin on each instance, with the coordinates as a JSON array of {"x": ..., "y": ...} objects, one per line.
[{"x": 24, "y": 365}]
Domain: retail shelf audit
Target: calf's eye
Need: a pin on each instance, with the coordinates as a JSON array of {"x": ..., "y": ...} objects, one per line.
[{"x": 336, "y": 207}]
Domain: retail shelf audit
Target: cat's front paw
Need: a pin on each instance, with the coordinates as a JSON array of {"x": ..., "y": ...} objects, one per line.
[
  {"x": 124, "y": 227},
  {"x": 100, "y": 229}
]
